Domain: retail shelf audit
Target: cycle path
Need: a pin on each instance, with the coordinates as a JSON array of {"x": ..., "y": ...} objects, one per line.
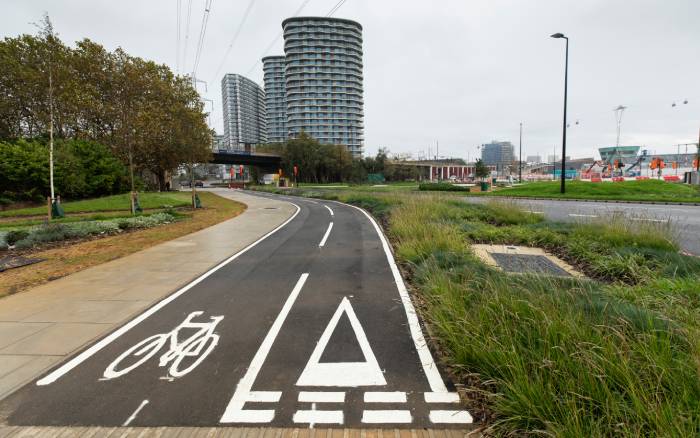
[
  {"x": 42, "y": 326},
  {"x": 313, "y": 327}
]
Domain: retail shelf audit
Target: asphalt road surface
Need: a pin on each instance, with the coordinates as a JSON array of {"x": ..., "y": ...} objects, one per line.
[
  {"x": 311, "y": 325},
  {"x": 684, "y": 219}
]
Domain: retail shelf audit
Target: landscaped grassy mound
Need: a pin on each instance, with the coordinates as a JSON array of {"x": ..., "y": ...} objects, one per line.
[{"x": 645, "y": 190}]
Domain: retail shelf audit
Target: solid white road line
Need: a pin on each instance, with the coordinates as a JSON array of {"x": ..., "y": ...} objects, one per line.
[
  {"x": 386, "y": 416},
  {"x": 426, "y": 358},
  {"x": 325, "y": 236},
  {"x": 453, "y": 417},
  {"x": 329, "y": 209},
  {"x": 234, "y": 411},
  {"x": 136, "y": 412},
  {"x": 86, "y": 354},
  {"x": 385, "y": 397},
  {"x": 314, "y": 416},
  {"x": 441, "y": 397},
  {"x": 582, "y": 215},
  {"x": 647, "y": 219},
  {"x": 321, "y": 396}
]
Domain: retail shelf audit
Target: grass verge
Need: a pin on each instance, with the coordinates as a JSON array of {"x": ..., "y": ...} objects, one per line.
[
  {"x": 614, "y": 355},
  {"x": 70, "y": 257},
  {"x": 645, "y": 190},
  {"x": 147, "y": 200}
]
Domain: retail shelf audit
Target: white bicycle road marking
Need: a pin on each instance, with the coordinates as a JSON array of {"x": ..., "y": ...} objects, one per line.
[
  {"x": 197, "y": 345},
  {"x": 86, "y": 354},
  {"x": 329, "y": 210},
  {"x": 325, "y": 236},
  {"x": 346, "y": 374},
  {"x": 136, "y": 412}
]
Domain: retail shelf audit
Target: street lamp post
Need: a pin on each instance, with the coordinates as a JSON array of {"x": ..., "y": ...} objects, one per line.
[
  {"x": 566, "y": 83},
  {"x": 520, "y": 158}
]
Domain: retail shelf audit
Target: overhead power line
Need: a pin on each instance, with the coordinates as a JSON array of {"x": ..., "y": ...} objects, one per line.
[
  {"x": 202, "y": 33},
  {"x": 235, "y": 37},
  {"x": 187, "y": 35},
  {"x": 177, "y": 38},
  {"x": 279, "y": 35},
  {"x": 335, "y": 8}
]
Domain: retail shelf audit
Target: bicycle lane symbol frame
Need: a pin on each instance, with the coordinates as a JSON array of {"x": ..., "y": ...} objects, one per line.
[{"x": 199, "y": 345}]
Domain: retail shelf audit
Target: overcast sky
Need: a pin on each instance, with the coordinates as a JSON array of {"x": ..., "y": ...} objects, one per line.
[{"x": 460, "y": 72}]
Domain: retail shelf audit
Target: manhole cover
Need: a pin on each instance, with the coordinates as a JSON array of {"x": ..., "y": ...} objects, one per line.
[
  {"x": 9, "y": 262},
  {"x": 528, "y": 263}
]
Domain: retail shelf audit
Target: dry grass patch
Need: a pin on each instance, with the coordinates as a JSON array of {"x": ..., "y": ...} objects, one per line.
[{"x": 69, "y": 257}]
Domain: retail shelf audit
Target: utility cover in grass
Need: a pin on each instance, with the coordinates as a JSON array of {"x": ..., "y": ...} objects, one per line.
[
  {"x": 524, "y": 260},
  {"x": 9, "y": 262},
  {"x": 526, "y": 263}
]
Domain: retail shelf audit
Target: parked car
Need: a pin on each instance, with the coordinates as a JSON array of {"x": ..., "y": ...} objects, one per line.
[
  {"x": 199, "y": 184},
  {"x": 185, "y": 183}
]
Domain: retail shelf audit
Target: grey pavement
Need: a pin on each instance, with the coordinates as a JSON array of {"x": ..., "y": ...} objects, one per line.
[
  {"x": 42, "y": 326},
  {"x": 684, "y": 219}
]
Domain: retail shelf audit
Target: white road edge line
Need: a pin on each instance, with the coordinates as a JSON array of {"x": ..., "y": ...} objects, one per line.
[
  {"x": 426, "y": 358},
  {"x": 582, "y": 215},
  {"x": 86, "y": 354},
  {"x": 136, "y": 412},
  {"x": 234, "y": 412},
  {"x": 325, "y": 236},
  {"x": 329, "y": 209}
]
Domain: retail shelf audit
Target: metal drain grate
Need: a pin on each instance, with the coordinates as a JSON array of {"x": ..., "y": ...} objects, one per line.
[{"x": 528, "y": 264}]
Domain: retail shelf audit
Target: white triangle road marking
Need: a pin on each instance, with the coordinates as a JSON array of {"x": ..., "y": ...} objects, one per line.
[{"x": 347, "y": 374}]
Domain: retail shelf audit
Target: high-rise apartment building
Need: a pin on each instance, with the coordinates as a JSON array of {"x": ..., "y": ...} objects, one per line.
[
  {"x": 497, "y": 153},
  {"x": 323, "y": 80},
  {"x": 243, "y": 103},
  {"x": 275, "y": 99}
]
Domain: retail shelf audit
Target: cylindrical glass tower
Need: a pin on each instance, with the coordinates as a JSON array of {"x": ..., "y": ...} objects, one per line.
[
  {"x": 275, "y": 99},
  {"x": 323, "y": 79}
]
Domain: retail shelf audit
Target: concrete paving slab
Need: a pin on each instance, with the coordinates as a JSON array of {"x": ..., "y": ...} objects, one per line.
[
  {"x": 11, "y": 332},
  {"x": 89, "y": 311},
  {"x": 40, "y": 327},
  {"x": 59, "y": 339},
  {"x": 31, "y": 366}
]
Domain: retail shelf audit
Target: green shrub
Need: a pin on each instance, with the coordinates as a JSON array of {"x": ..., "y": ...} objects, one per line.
[{"x": 15, "y": 236}]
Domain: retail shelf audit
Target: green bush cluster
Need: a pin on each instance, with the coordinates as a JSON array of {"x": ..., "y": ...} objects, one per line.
[
  {"x": 81, "y": 169},
  {"x": 57, "y": 232}
]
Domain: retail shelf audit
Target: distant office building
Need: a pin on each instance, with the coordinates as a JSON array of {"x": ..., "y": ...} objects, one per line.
[
  {"x": 323, "y": 80},
  {"x": 534, "y": 159},
  {"x": 243, "y": 103},
  {"x": 553, "y": 158},
  {"x": 497, "y": 153},
  {"x": 217, "y": 142},
  {"x": 275, "y": 99},
  {"x": 628, "y": 154}
]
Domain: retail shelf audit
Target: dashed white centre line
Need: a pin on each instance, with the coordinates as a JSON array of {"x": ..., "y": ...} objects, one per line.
[
  {"x": 329, "y": 210},
  {"x": 136, "y": 412},
  {"x": 325, "y": 236},
  {"x": 647, "y": 219}
]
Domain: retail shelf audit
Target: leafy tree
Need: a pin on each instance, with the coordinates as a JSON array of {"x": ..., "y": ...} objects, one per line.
[
  {"x": 139, "y": 109},
  {"x": 481, "y": 170}
]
